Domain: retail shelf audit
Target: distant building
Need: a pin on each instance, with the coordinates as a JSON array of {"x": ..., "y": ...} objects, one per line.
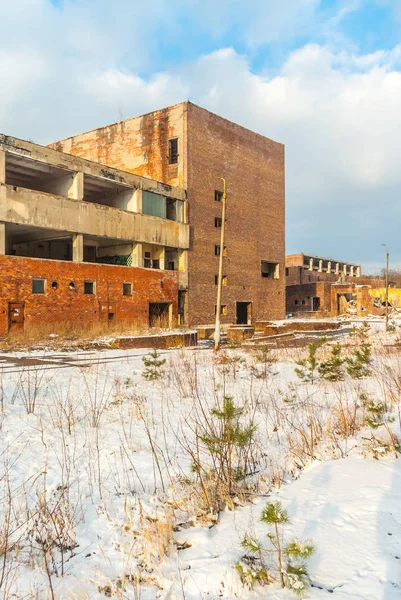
[{"x": 308, "y": 280}]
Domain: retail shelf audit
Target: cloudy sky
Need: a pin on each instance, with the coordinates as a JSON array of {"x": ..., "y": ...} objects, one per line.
[{"x": 321, "y": 76}]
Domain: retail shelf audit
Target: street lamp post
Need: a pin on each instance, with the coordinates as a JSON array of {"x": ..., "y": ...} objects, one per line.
[
  {"x": 386, "y": 300},
  {"x": 217, "y": 335}
]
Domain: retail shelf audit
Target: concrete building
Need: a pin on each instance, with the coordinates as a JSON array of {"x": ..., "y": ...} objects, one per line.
[
  {"x": 80, "y": 242},
  {"x": 304, "y": 268},
  {"x": 322, "y": 287},
  {"x": 190, "y": 148}
]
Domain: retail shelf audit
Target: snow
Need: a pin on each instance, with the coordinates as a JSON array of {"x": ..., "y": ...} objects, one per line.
[{"x": 91, "y": 439}]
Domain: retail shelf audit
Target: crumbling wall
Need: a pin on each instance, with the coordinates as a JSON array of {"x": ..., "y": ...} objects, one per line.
[{"x": 65, "y": 303}]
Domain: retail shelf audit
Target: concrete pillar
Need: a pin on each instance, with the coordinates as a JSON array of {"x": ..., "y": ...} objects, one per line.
[
  {"x": 351, "y": 272},
  {"x": 358, "y": 271},
  {"x": 2, "y": 166},
  {"x": 76, "y": 189},
  {"x": 345, "y": 269},
  {"x": 78, "y": 247},
  {"x": 337, "y": 269},
  {"x": 329, "y": 267},
  {"x": 320, "y": 266},
  {"x": 162, "y": 259},
  {"x": 311, "y": 264},
  {"x": 135, "y": 203},
  {"x": 183, "y": 261},
  {"x": 137, "y": 255},
  {"x": 2, "y": 238}
]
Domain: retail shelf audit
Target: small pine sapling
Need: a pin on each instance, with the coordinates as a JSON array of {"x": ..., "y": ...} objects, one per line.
[
  {"x": 228, "y": 442},
  {"x": 153, "y": 366},
  {"x": 265, "y": 359},
  {"x": 290, "y": 556},
  {"x": 331, "y": 369},
  {"x": 358, "y": 363},
  {"x": 307, "y": 367}
]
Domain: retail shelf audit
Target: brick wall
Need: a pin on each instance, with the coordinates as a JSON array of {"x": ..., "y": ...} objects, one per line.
[
  {"x": 64, "y": 305},
  {"x": 254, "y": 169},
  {"x": 299, "y": 298}
]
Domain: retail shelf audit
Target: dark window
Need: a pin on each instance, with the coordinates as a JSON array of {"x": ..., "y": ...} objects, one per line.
[
  {"x": 223, "y": 280},
  {"x": 269, "y": 270},
  {"x": 287, "y": 271},
  {"x": 71, "y": 285},
  {"x": 127, "y": 289},
  {"x": 173, "y": 151},
  {"x": 38, "y": 286},
  {"x": 155, "y": 263},
  {"x": 218, "y": 196},
  {"x": 296, "y": 302},
  {"x": 89, "y": 287},
  {"x": 217, "y": 222},
  {"x": 217, "y": 250},
  {"x": 303, "y": 302},
  {"x": 54, "y": 285},
  {"x": 223, "y": 309}
]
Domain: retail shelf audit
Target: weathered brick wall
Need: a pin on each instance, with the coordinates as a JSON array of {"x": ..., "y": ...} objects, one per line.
[
  {"x": 138, "y": 145},
  {"x": 62, "y": 305},
  {"x": 304, "y": 294},
  {"x": 297, "y": 275},
  {"x": 254, "y": 169}
]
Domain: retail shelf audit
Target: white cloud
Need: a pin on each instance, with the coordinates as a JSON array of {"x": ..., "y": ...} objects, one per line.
[{"x": 337, "y": 112}]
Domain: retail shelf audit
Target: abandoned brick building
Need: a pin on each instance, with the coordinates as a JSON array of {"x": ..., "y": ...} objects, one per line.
[
  {"x": 123, "y": 223},
  {"x": 190, "y": 148},
  {"x": 321, "y": 287}
]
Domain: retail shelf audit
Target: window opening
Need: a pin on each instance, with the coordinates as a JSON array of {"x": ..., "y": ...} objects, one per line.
[
  {"x": 173, "y": 151},
  {"x": 38, "y": 286},
  {"x": 89, "y": 287},
  {"x": 127, "y": 289}
]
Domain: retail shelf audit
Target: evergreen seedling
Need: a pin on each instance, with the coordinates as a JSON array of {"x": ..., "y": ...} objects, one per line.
[
  {"x": 228, "y": 443},
  {"x": 331, "y": 369},
  {"x": 290, "y": 566},
  {"x": 307, "y": 367},
  {"x": 153, "y": 366}
]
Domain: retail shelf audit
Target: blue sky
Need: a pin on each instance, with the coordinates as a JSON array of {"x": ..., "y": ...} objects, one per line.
[{"x": 321, "y": 76}]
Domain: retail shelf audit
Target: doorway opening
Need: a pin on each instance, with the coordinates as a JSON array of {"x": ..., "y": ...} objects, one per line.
[
  {"x": 244, "y": 313},
  {"x": 160, "y": 314}
]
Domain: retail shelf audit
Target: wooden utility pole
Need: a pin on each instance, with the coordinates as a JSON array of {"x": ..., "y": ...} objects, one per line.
[{"x": 217, "y": 334}]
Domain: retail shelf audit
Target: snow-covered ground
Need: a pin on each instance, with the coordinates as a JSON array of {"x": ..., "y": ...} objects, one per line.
[{"x": 98, "y": 460}]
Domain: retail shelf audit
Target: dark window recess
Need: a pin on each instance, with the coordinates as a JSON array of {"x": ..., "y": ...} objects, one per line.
[
  {"x": 269, "y": 270},
  {"x": 217, "y": 250},
  {"x": 223, "y": 280},
  {"x": 296, "y": 302},
  {"x": 127, "y": 289},
  {"x": 218, "y": 196},
  {"x": 156, "y": 263},
  {"x": 287, "y": 271},
  {"x": 54, "y": 285},
  {"x": 223, "y": 309},
  {"x": 171, "y": 266},
  {"x": 71, "y": 285},
  {"x": 38, "y": 286},
  {"x": 173, "y": 151},
  {"x": 89, "y": 287},
  {"x": 303, "y": 302},
  {"x": 217, "y": 222}
]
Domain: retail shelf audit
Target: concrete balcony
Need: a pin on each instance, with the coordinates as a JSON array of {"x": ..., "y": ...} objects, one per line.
[{"x": 39, "y": 209}]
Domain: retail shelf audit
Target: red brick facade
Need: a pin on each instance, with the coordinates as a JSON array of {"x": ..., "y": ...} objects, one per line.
[{"x": 64, "y": 301}]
